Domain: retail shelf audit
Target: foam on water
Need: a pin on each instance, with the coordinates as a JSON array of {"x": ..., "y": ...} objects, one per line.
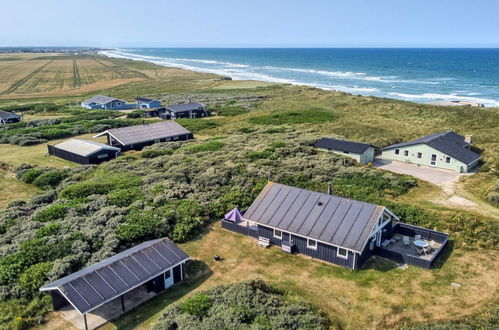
[{"x": 382, "y": 77}]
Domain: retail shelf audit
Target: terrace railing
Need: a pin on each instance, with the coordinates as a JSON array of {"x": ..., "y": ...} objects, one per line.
[
  {"x": 409, "y": 230},
  {"x": 239, "y": 228}
]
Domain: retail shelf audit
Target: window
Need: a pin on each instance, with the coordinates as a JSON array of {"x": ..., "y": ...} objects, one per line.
[
  {"x": 277, "y": 233},
  {"x": 157, "y": 141},
  {"x": 346, "y": 152},
  {"x": 447, "y": 160},
  {"x": 342, "y": 253},
  {"x": 175, "y": 137},
  {"x": 102, "y": 156},
  {"x": 167, "y": 274},
  {"x": 311, "y": 244},
  {"x": 420, "y": 155},
  {"x": 406, "y": 152},
  {"x": 397, "y": 151}
]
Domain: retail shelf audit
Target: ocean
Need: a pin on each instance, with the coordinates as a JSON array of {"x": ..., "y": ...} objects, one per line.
[{"x": 418, "y": 75}]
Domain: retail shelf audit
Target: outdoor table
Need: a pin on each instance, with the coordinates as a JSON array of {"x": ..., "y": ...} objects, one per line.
[{"x": 420, "y": 243}]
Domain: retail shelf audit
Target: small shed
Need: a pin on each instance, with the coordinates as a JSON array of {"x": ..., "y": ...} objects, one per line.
[
  {"x": 152, "y": 266},
  {"x": 9, "y": 117},
  {"x": 187, "y": 110},
  {"x": 83, "y": 151},
  {"x": 147, "y": 103},
  {"x": 137, "y": 137},
  {"x": 361, "y": 152}
]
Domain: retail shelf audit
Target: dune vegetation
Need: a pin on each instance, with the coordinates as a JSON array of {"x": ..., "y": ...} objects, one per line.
[{"x": 72, "y": 216}]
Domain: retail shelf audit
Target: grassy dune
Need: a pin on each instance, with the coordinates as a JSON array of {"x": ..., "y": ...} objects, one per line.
[{"x": 256, "y": 116}]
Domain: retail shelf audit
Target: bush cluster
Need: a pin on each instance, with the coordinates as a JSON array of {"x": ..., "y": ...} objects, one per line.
[{"x": 246, "y": 305}]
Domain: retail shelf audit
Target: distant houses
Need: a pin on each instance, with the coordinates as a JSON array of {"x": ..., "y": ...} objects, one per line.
[
  {"x": 83, "y": 151},
  {"x": 137, "y": 137},
  {"x": 361, "y": 152},
  {"x": 446, "y": 150},
  {"x": 334, "y": 229},
  {"x": 106, "y": 102},
  {"x": 187, "y": 110},
  {"x": 9, "y": 117},
  {"x": 147, "y": 103},
  {"x": 107, "y": 289}
]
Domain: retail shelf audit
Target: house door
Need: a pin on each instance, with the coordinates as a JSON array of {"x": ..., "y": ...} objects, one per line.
[
  {"x": 168, "y": 279},
  {"x": 433, "y": 160}
]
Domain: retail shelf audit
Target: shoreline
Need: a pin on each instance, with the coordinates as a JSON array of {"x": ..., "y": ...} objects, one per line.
[{"x": 430, "y": 98}]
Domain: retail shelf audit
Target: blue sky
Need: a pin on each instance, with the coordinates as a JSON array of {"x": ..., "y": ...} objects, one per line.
[{"x": 251, "y": 23}]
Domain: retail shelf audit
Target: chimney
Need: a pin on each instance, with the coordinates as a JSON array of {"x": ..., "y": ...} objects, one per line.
[
  {"x": 468, "y": 139},
  {"x": 329, "y": 188}
]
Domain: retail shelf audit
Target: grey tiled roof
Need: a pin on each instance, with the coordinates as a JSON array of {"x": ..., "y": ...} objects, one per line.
[
  {"x": 342, "y": 145},
  {"x": 93, "y": 286},
  {"x": 184, "y": 107},
  {"x": 450, "y": 143},
  {"x": 331, "y": 219},
  {"x": 83, "y": 147},
  {"x": 100, "y": 99},
  {"x": 144, "y": 133},
  {"x": 6, "y": 114}
]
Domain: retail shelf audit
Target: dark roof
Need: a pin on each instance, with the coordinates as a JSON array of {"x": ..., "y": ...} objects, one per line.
[
  {"x": 450, "y": 143},
  {"x": 144, "y": 133},
  {"x": 342, "y": 145},
  {"x": 184, "y": 107},
  {"x": 6, "y": 114},
  {"x": 331, "y": 219},
  {"x": 93, "y": 286},
  {"x": 145, "y": 99}
]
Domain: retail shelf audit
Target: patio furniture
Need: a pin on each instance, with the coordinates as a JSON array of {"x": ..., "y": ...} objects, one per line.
[
  {"x": 420, "y": 244},
  {"x": 234, "y": 215},
  {"x": 406, "y": 240},
  {"x": 262, "y": 241},
  {"x": 386, "y": 242},
  {"x": 397, "y": 238},
  {"x": 417, "y": 237}
]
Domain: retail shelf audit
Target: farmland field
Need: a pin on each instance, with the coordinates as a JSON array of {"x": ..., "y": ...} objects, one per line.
[{"x": 24, "y": 75}]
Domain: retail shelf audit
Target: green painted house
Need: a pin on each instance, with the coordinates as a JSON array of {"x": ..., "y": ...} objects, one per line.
[
  {"x": 361, "y": 152},
  {"x": 447, "y": 150}
]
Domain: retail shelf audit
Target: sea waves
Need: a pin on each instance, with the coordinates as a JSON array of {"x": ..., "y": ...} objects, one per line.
[{"x": 393, "y": 86}]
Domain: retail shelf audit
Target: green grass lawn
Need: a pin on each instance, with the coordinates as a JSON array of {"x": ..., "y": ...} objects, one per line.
[{"x": 12, "y": 189}]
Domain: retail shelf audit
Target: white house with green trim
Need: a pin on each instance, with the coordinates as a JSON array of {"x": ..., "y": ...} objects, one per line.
[
  {"x": 447, "y": 150},
  {"x": 361, "y": 152}
]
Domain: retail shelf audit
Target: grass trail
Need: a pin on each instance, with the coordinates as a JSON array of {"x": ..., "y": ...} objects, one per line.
[{"x": 76, "y": 75}]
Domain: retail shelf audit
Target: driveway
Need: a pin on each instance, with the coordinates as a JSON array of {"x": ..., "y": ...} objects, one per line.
[{"x": 437, "y": 176}]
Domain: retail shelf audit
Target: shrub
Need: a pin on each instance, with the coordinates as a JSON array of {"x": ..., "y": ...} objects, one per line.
[
  {"x": 135, "y": 114},
  {"x": 30, "y": 175},
  {"x": 34, "y": 277},
  {"x": 246, "y": 130},
  {"x": 141, "y": 225},
  {"x": 50, "y": 179},
  {"x": 153, "y": 153},
  {"x": 85, "y": 189},
  {"x": 230, "y": 111},
  {"x": 197, "y": 125},
  {"x": 263, "y": 154},
  {"x": 51, "y": 213},
  {"x": 48, "y": 230},
  {"x": 124, "y": 197},
  {"x": 197, "y": 306},
  {"x": 207, "y": 146}
]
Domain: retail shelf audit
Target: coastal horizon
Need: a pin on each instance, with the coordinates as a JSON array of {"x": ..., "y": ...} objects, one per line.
[{"x": 420, "y": 75}]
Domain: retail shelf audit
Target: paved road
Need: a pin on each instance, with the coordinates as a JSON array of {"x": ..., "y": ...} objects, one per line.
[{"x": 430, "y": 174}]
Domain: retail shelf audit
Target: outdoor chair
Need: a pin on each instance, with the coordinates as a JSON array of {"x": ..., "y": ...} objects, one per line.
[
  {"x": 406, "y": 240},
  {"x": 417, "y": 236}
]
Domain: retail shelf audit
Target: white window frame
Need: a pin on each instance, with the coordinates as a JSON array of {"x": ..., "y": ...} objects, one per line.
[
  {"x": 397, "y": 151},
  {"x": 102, "y": 156},
  {"x": 449, "y": 159},
  {"x": 406, "y": 153},
  {"x": 338, "y": 254},
  {"x": 420, "y": 155},
  {"x": 309, "y": 246},
  {"x": 277, "y": 236}
]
